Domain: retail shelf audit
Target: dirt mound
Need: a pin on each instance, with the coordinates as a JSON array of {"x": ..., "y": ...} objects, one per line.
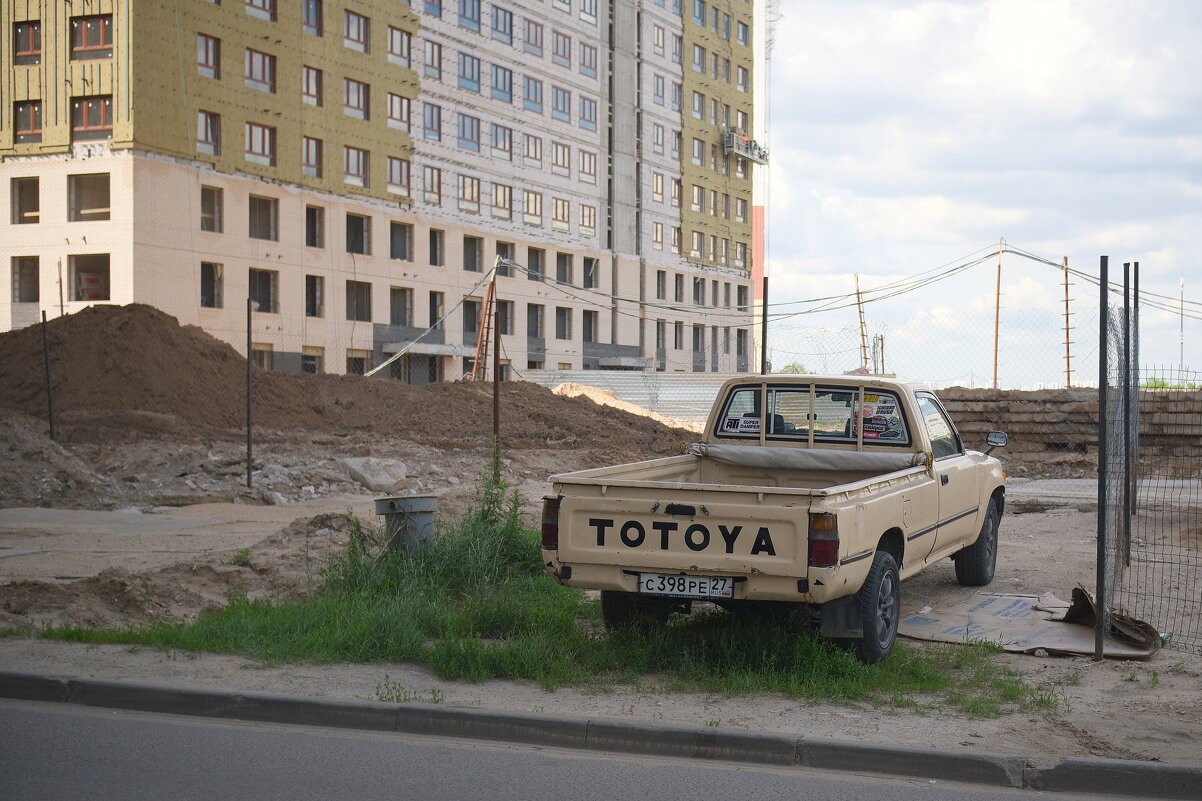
[{"x": 133, "y": 372}]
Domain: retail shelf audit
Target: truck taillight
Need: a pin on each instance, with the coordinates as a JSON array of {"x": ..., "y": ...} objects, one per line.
[
  {"x": 824, "y": 539},
  {"x": 550, "y": 527}
]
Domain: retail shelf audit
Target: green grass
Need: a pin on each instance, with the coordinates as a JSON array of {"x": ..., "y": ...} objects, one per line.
[{"x": 475, "y": 604}]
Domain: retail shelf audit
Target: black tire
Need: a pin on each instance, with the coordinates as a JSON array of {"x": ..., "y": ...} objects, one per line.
[
  {"x": 880, "y": 607},
  {"x": 976, "y": 563},
  {"x": 619, "y": 609}
]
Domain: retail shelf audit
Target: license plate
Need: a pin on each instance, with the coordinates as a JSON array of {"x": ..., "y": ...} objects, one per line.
[{"x": 680, "y": 586}]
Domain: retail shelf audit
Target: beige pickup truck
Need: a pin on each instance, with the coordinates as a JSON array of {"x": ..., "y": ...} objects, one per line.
[{"x": 817, "y": 490}]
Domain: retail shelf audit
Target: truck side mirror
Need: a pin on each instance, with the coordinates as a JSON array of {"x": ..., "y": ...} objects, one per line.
[{"x": 996, "y": 439}]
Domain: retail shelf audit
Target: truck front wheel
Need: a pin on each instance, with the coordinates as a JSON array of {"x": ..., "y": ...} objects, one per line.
[
  {"x": 975, "y": 564},
  {"x": 880, "y": 606}
]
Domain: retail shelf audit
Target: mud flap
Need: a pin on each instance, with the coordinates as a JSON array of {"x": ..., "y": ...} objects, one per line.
[{"x": 842, "y": 618}]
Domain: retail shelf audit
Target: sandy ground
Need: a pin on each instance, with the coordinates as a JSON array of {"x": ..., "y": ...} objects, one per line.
[{"x": 176, "y": 561}]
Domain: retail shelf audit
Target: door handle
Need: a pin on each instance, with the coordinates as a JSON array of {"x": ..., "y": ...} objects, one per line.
[{"x": 943, "y": 479}]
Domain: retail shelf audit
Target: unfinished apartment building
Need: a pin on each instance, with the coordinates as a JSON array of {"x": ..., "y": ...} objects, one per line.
[{"x": 354, "y": 168}]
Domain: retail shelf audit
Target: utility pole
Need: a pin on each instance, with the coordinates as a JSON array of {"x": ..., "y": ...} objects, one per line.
[
  {"x": 1181, "y": 318},
  {"x": 1068, "y": 354},
  {"x": 863, "y": 330},
  {"x": 997, "y": 307}
]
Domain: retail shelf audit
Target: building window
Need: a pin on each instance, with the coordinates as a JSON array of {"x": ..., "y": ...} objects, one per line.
[
  {"x": 698, "y": 204},
  {"x": 469, "y": 14},
  {"x": 358, "y": 234},
  {"x": 502, "y": 141},
  {"x": 743, "y": 33},
  {"x": 502, "y": 201},
  {"x": 505, "y": 252},
  {"x": 27, "y": 42},
  {"x": 532, "y": 39},
  {"x": 561, "y": 213},
  {"x": 564, "y": 269},
  {"x": 532, "y": 93},
  {"x": 502, "y": 24},
  {"x": 356, "y": 99},
  {"x": 588, "y": 167},
  {"x": 264, "y": 218},
  {"x": 435, "y": 310},
  {"x": 678, "y": 335},
  {"x": 262, "y": 355},
  {"x": 400, "y": 47},
  {"x": 400, "y": 241},
  {"x": 592, "y": 272},
  {"x": 313, "y": 360},
  {"x": 502, "y": 83},
  {"x": 533, "y": 207},
  {"x": 677, "y": 94},
  {"x": 532, "y": 148},
  {"x": 434, "y": 7},
  {"x": 212, "y": 209},
  {"x": 588, "y": 113},
  {"x": 358, "y": 301},
  {"x": 561, "y": 158},
  {"x": 398, "y": 175},
  {"x": 471, "y": 320},
  {"x": 315, "y": 296},
  {"x": 27, "y": 115},
  {"x": 260, "y": 144},
  {"x": 697, "y": 251},
  {"x": 356, "y": 31},
  {"x": 561, "y": 104},
  {"x": 432, "y": 184},
  {"x": 400, "y": 306},
  {"x": 469, "y": 132},
  {"x": 26, "y": 281},
  {"x": 473, "y": 253},
  {"x": 535, "y": 322},
  {"x": 676, "y": 191},
  {"x": 657, "y": 235},
  {"x": 208, "y": 133},
  {"x": 563, "y": 322},
  {"x": 311, "y": 86},
  {"x": 312, "y": 19},
  {"x": 92, "y": 117},
  {"x": 358, "y": 362},
  {"x": 208, "y": 55},
  {"x": 356, "y": 166},
  {"x": 260, "y": 71},
  {"x": 469, "y": 194},
  {"x": 743, "y": 79},
  {"x": 678, "y": 288},
  {"x": 88, "y": 197},
  {"x": 432, "y": 121},
  {"x": 210, "y": 285},
  {"x": 311, "y": 156},
  {"x": 263, "y": 9},
  {"x": 469, "y": 72},
  {"x": 589, "y": 330},
  {"x": 399, "y": 109},
  {"x": 433, "y": 59},
  {"x": 92, "y": 37},
  {"x": 561, "y": 49},
  {"x": 315, "y": 227},
  {"x": 90, "y": 277},
  {"x": 437, "y": 247},
  {"x": 657, "y": 137},
  {"x": 677, "y": 238},
  {"x": 535, "y": 259},
  {"x": 588, "y": 60},
  {"x": 657, "y": 89}
]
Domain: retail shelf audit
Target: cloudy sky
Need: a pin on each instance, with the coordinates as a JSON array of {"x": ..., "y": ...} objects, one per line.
[{"x": 906, "y": 135}]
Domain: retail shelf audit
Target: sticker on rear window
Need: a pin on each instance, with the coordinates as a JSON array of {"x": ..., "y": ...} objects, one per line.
[{"x": 741, "y": 425}]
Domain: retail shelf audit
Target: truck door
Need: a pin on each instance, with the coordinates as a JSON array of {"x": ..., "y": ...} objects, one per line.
[{"x": 959, "y": 498}]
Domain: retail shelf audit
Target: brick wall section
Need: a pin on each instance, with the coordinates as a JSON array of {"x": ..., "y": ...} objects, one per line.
[{"x": 1055, "y": 432}]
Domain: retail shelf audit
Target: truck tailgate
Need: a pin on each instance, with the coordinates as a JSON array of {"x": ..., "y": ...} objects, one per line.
[{"x": 703, "y": 528}]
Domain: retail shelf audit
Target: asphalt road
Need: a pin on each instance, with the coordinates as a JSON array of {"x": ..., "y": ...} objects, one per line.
[{"x": 67, "y": 752}]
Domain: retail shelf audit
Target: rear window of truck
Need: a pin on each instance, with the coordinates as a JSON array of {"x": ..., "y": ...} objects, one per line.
[{"x": 834, "y": 413}]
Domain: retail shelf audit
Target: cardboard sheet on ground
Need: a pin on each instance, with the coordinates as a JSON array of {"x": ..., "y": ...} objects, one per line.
[{"x": 1027, "y": 623}]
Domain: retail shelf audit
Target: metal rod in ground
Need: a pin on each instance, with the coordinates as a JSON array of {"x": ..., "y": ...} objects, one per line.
[
  {"x": 49, "y": 383},
  {"x": 764, "y": 330},
  {"x": 1126, "y": 406},
  {"x": 249, "y": 387},
  {"x": 1103, "y": 366},
  {"x": 496, "y": 370}
]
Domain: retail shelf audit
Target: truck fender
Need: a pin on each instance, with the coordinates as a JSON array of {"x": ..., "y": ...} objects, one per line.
[{"x": 842, "y": 618}]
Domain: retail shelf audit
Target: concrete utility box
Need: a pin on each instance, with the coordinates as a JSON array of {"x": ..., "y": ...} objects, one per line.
[{"x": 408, "y": 522}]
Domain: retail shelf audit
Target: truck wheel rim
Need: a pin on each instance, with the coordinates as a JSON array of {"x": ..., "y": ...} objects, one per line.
[{"x": 885, "y": 607}]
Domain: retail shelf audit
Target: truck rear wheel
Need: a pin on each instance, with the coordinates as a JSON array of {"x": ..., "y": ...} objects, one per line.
[
  {"x": 975, "y": 564},
  {"x": 880, "y": 607}
]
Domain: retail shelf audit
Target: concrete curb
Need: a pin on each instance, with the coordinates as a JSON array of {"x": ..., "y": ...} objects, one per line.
[{"x": 1072, "y": 774}]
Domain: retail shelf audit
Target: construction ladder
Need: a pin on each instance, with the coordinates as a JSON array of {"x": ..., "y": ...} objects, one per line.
[{"x": 484, "y": 335}]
